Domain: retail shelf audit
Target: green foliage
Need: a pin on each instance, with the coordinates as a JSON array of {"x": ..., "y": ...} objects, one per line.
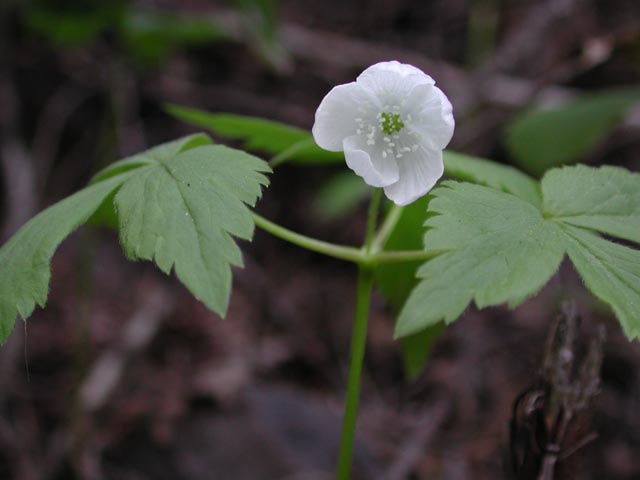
[
  {"x": 498, "y": 248},
  {"x": 501, "y": 243},
  {"x": 153, "y": 37},
  {"x": 417, "y": 347},
  {"x": 261, "y": 22},
  {"x": 541, "y": 139},
  {"x": 396, "y": 280},
  {"x": 492, "y": 174},
  {"x": 611, "y": 272},
  {"x": 178, "y": 204},
  {"x": 606, "y": 199},
  {"x": 73, "y": 23},
  {"x": 340, "y": 196},
  {"x": 150, "y": 37},
  {"x": 25, "y": 258},
  {"x": 291, "y": 144},
  {"x": 181, "y": 213},
  {"x": 278, "y": 139}
]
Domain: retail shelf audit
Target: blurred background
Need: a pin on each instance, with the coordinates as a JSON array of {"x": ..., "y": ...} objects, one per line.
[{"x": 126, "y": 376}]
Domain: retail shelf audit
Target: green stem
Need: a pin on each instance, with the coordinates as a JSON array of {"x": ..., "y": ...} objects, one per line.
[
  {"x": 372, "y": 219},
  {"x": 358, "y": 344},
  {"x": 396, "y": 256},
  {"x": 360, "y": 256},
  {"x": 387, "y": 227},
  {"x": 341, "y": 252}
]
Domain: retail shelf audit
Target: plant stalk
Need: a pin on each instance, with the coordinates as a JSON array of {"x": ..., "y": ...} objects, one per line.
[
  {"x": 358, "y": 346},
  {"x": 358, "y": 343}
]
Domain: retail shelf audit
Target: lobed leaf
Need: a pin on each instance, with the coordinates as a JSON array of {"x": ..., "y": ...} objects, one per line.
[
  {"x": 606, "y": 199},
  {"x": 498, "y": 248},
  {"x": 181, "y": 212},
  {"x": 492, "y": 174},
  {"x": 25, "y": 259},
  {"x": 178, "y": 204},
  {"x": 611, "y": 272}
]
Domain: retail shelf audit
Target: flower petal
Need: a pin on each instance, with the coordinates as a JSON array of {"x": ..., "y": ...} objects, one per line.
[
  {"x": 403, "y": 69},
  {"x": 367, "y": 162},
  {"x": 431, "y": 116},
  {"x": 419, "y": 172},
  {"x": 336, "y": 115},
  {"x": 393, "y": 78}
]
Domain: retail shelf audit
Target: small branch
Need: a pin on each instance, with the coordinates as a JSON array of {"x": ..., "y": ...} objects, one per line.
[
  {"x": 406, "y": 256},
  {"x": 341, "y": 252},
  {"x": 372, "y": 220},
  {"x": 359, "y": 256},
  {"x": 387, "y": 228}
]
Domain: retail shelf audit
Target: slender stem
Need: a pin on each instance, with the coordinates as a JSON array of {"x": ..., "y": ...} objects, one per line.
[
  {"x": 342, "y": 252},
  {"x": 358, "y": 342},
  {"x": 396, "y": 256},
  {"x": 387, "y": 227},
  {"x": 372, "y": 219}
]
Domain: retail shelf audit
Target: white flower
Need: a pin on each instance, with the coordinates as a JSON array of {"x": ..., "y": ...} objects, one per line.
[{"x": 392, "y": 124}]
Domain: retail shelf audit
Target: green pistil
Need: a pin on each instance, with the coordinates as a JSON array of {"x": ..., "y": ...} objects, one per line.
[{"x": 391, "y": 123}]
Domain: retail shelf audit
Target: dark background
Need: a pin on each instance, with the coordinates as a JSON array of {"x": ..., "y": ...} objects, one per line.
[{"x": 125, "y": 376}]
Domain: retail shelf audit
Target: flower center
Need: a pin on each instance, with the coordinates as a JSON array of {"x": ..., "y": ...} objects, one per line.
[{"x": 391, "y": 123}]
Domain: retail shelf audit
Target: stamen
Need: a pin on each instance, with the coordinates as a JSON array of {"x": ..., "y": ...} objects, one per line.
[{"x": 391, "y": 123}]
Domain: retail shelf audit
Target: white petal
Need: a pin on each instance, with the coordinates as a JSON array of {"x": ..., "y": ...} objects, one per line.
[
  {"x": 419, "y": 172},
  {"x": 393, "y": 78},
  {"x": 367, "y": 162},
  {"x": 403, "y": 69},
  {"x": 431, "y": 116},
  {"x": 336, "y": 115}
]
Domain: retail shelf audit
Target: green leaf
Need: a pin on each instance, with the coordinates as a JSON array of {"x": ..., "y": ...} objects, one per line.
[
  {"x": 152, "y": 36},
  {"x": 417, "y": 347},
  {"x": 72, "y": 23},
  {"x": 182, "y": 210},
  {"x": 611, "y": 272},
  {"x": 540, "y": 139},
  {"x": 106, "y": 214},
  {"x": 498, "y": 248},
  {"x": 606, "y": 199},
  {"x": 261, "y": 22},
  {"x": 161, "y": 153},
  {"x": 492, "y": 174},
  {"x": 340, "y": 196},
  {"x": 178, "y": 204},
  {"x": 25, "y": 258},
  {"x": 291, "y": 143}
]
